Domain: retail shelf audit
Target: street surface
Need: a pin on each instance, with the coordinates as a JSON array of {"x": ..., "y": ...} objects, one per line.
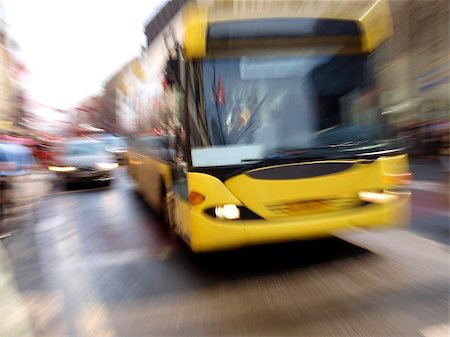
[{"x": 98, "y": 262}]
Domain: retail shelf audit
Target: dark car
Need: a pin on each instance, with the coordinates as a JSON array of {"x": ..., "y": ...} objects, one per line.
[{"x": 85, "y": 160}]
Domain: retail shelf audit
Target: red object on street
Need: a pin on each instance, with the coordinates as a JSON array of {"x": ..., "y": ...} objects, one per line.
[{"x": 220, "y": 97}]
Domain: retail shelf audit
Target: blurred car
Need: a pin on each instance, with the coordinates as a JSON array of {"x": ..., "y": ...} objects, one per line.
[
  {"x": 116, "y": 146},
  {"x": 84, "y": 160},
  {"x": 21, "y": 184}
]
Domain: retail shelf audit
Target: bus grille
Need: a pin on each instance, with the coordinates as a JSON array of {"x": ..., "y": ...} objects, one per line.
[{"x": 312, "y": 206}]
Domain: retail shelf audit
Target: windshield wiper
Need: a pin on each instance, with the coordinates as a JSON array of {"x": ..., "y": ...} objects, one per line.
[
  {"x": 362, "y": 149},
  {"x": 319, "y": 152},
  {"x": 216, "y": 103},
  {"x": 309, "y": 153}
]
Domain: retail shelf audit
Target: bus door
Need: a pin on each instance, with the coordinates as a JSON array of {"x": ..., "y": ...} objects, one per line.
[
  {"x": 175, "y": 105},
  {"x": 179, "y": 197}
]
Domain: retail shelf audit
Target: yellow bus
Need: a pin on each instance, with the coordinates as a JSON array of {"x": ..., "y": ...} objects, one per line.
[{"x": 263, "y": 125}]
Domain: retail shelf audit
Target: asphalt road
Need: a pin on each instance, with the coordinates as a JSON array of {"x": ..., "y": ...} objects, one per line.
[
  {"x": 98, "y": 262},
  {"x": 430, "y": 200}
]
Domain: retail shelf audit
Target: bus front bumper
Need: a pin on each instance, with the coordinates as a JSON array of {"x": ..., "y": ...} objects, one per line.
[{"x": 210, "y": 234}]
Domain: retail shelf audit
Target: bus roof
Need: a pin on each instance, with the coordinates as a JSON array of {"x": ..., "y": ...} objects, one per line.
[{"x": 372, "y": 17}]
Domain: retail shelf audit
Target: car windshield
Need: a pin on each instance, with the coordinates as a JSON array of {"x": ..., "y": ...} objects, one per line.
[
  {"x": 254, "y": 106},
  {"x": 84, "y": 148}
]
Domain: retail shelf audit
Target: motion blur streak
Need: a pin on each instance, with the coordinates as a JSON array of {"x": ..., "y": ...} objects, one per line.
[{"x": 257, "y": 168}]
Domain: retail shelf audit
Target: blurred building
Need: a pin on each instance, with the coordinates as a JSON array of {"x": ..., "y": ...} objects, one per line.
[
  {"x": 109, "y": 102},
  {"x": 13, "y": 94},
  {"x": 156, "y": 25},
  {"x": 91, "y": 111},
  {"x": 6, "y": 94},
  {"x": 117, "y": 99},
  {"x": 128, "y": 93},
  {"x": 412, "y": 68}
]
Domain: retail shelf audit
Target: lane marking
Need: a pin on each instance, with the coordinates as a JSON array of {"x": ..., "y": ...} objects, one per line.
[
  {"x": 94, "y": 320},
  {"x": 431, "y": 186},
  {"x": 44, "y": 308},
  {"x": 438, "y": 330},
  {"x": 48, "y": 224},
  {"x": 430, "y": 210},
  {"x": 399, "y": 243},
  {"x": 123, "y": 257},
  {"x": 89, "y": 317},
  {"x": 180, "y": 314}
]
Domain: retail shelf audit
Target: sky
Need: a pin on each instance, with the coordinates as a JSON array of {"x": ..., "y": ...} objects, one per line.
[{"x": 71, "y": 47}]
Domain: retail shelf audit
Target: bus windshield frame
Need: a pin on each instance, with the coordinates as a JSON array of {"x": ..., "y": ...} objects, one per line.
[{"x": 252, "y": 108}]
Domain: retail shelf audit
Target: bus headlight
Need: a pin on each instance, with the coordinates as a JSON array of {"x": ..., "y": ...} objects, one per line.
[
  {"x": 232, "y": 212},
  {"x": 377, "y": 197},
  {"x": 229, "y": 212}
]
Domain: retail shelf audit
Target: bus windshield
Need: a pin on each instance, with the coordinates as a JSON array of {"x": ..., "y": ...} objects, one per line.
[{"x": 257, "y": 106}]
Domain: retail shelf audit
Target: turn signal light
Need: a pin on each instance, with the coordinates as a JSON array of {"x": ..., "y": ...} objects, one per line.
[
  {"x": 398, "y": 179},
  {"x": 196, "y": 198}
]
